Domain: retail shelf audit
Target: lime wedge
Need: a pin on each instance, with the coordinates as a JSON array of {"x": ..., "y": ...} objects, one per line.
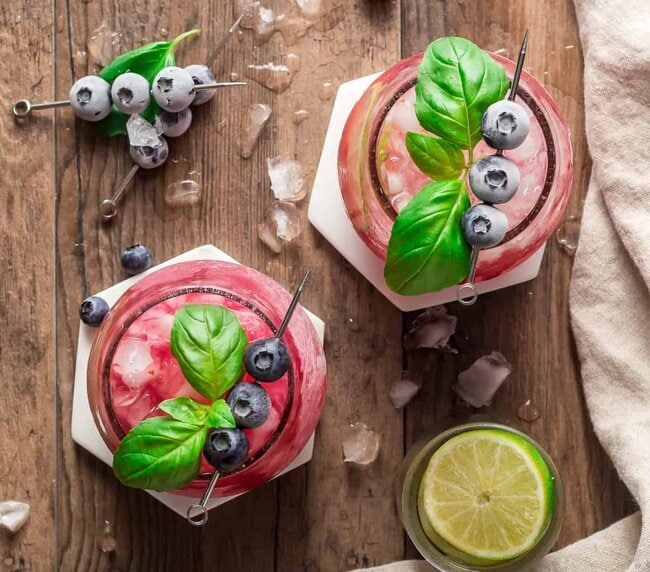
[{"x": 486, "y": 497}]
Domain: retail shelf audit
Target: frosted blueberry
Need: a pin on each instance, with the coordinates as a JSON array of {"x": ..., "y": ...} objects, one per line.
[
  {"x": 201, "y": 74},
  {"x": 149, "y": 157},
  {"x": 505, "y": 125},
  {"x": 484, "y": 226},
  {"x": 226, "y": 449},
  {"x": 93, "y": 310},
  {"x": 90, "y": 98},
  {"x": 266, "y": 359},
  {"x": 494, "y": 179},
  {"x": 250, "y": 405},
  {"x": 174, "y": 124},
  {"x": 173, "y": 89},
  {"x": 130, "y": 93}
]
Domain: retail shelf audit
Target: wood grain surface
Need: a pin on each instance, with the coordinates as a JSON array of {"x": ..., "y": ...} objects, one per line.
[{"x": 325, "y": 516}]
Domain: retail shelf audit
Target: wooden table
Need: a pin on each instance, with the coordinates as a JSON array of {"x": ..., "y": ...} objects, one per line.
[{"x": 325, "y": 516}]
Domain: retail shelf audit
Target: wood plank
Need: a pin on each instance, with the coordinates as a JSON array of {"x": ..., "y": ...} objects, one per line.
[
  {"x": 528, "y": 323},
  {"x": 27, "y": 364},
  {"x": 235, "y": 195}
]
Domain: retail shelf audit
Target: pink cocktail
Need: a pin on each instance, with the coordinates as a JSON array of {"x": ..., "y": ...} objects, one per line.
[
  {"x": 378, "y": 177},
  {"x": 131, "y": 368}
]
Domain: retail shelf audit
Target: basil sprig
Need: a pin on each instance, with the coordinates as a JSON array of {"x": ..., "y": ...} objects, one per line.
[
  {"x": 457, "y": 82},
  {"x": 164, "y": 453},
  {"x": 147, "y": 61}
]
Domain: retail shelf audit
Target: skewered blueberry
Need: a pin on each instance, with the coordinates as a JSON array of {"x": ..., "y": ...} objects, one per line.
[
  {"x": 484, "y": 226},
  {"x": 136, "y": 259},
  {"x": 505, "y": 125},
  {"x": 201, "y": 74},
  {"x": 173, "y": 89},
  {"x": 494, "y": 179},
  {"x": 149, "y": 157},
  {"x": 130, "y": 93},
  {"x": 93, "y": 310},
  {"x": 90, "y": 98},
  {"x": 250, "y": 405},
  {"x": 226, "y": 449},
  {"x": 266, "y": 359},
  {"x": 174, "y": 124}
]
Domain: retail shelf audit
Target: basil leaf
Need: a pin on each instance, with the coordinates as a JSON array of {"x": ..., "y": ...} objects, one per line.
[
  {"x": 220, "y": 415},
  {"x": 208, "y": 341},
  {"x": 427, "y": 250},
  {"x": 160, "y": 454},
  {"x": 147, "y": 61},
  {"x": 436, "y": 158},
  {"x": 457, "y": 82},
  {"x": 185, "y": 409}
]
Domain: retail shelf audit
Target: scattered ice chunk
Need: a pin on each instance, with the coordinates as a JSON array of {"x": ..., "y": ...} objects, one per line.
[
  {"x": 276, "y": 77},
  {"x": 269, "y": 237},
  {"x": 13, "y": 515},
  {"x": 253, "y": 123},
  {"x": 183, "y": 193},
  {"x": 300, "y": 115},
  {"x": 360, "y": 445},
  {"x": 141, "y": 133},
  {"x": 287, "y": 182},
  {"x": 403, "y": 390},
  {"x": 568, "y": 234},
  {"x": 282, "y": 224},
  {"x": 431, "y": 329},
  {"x": 478, "y": 384}
]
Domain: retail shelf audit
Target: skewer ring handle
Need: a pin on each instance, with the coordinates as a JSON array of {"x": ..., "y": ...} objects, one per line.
[
  {"x": 197, "y": 515},
  {"x": 467, "y": 294},
  {"x": 108, "y": 209},
  {"x": 21, "y": 108}
]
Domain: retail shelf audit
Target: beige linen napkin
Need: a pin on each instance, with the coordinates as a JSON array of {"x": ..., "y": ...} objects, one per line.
[{"x": 609, "y": 298}]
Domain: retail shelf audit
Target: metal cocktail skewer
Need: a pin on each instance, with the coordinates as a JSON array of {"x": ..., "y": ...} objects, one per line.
[
  {"x": 197, "y": 514},
  {"x": 467, "y": 294},
  {"x": 108, "y": 207}
]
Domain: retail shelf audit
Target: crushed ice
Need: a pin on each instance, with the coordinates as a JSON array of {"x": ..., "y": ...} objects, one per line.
[
  {"x": 13, "y": 515},
  {"x": 141, "y": 133},
  {"x": 253, "y": 124},
  {"x": 431, "y": 329},
  {"x": 478, "y": 384},
  {"x": 403, "y": 390},
  {"x": 281, "y": 225},
  {"x": 287, "y": 182},
  {"x": 360, "y": 444}
]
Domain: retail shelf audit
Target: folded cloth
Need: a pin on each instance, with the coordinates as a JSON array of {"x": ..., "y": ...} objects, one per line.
[{"x": 609, "y": 297}]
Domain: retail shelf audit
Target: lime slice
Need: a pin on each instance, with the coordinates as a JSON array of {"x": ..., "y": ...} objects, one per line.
[{"x": 486, "y": 496}]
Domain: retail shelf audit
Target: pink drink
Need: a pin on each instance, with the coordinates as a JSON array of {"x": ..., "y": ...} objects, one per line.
[
  {"x": 131, "y": 367},
  {"x": 378, "y": 177}
]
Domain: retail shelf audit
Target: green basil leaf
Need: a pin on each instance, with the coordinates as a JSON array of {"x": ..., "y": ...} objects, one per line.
[
  {"x": 457, "y": 82},
  {"x": 427, "y": 251},
  {"x": 208, "y": 341},
  {"x": 436, "y": 158},
  {"x": 220, "y": 415},
  {"x": 185, "y": 409},
  {"x": 160, "y": 454},
  {"x": 147, "y": 61}
]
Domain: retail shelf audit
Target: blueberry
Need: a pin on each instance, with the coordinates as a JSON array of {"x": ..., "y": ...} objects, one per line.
[
  {"x": 149, "y": 157},
  {"x": 484, "y": 226},
  {"x": 250, "y": 405},
  {"x": 494, "y": 179},
  {"x": 136, "y": 259},
  {"x": 226, "y": 449},
  {"x": 93, "y": 310},
  {"x": 90, "y": 98},
  {"x": 174, "y": 124},
  {"x": 173, "y": 89},
  {"x": 266, "y": 359},
  {"x": 201, "y": 74},
  {"x": 505, "y": 125},
  {"x": 130, "y": 93}
]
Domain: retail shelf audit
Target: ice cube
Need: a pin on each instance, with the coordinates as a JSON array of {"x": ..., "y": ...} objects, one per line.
[
  {"x": 282, "y": 224},
  {"x": 13, "y": 515},
  {"x": 253, "y": 123},
  {"x": 133, "y": 362},
  {"x": 478, "y": 384},
  {"x": 403, "y": 390},
  {"x": 141, "y": 133},
  {"x": 431, "y": 329},
  {"x": 360, "y": 445},
  {"x": 287, "y": 182}
]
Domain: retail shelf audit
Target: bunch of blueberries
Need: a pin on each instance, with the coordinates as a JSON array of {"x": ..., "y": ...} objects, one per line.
[
  {"x": 173, "y": 89},
  {"x": 266, "y": 360},
  {"x": 495, "y": 179}
]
